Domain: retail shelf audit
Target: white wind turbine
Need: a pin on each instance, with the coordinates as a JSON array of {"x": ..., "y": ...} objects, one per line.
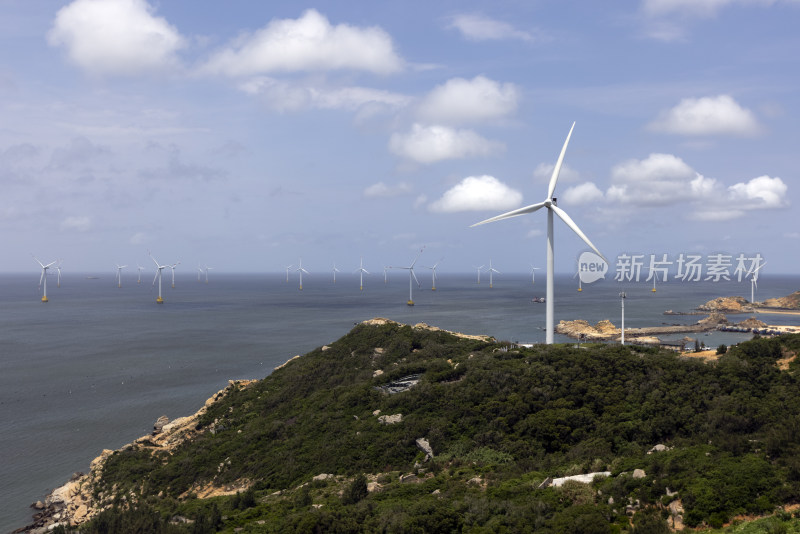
[
  {"x": 433, "y": 274},
  {"x": 385, "y": 279},
  {"x": 361, "y": 270},
  {"x": 533, "y": 273},
  {"x": 172, "y": 267},
  {"x": 203, "y": 271},
  {"x": 754, "y": 283},
  {"x": 159, "y": 268},
  {"x": 287, "y": 272},
  {"x": 411, "y": 277},
  {"x": 140, "y": 269},
  {"x": 550, "y": 204},
  {"x": 479, "y": 272},
  {"x": 301, "y": 271},
  {"x": 43, "y": 278},
  {"x": 335, "y": 270},
  {"x": 58, "y": 270},
  {"x": 119, "y": 274},
  {"x": 491, "y": 271}
]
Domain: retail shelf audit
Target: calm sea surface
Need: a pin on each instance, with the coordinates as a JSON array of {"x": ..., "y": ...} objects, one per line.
[{"x": 97, "y": 365}]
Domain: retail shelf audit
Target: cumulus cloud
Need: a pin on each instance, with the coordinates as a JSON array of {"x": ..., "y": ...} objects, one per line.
[
  {"x": 459, "y": 100},
  {"x": 309, "y": 43},
  {"x": 286, "y": 96},
  {"x": 76, "y": 223},
  {"x": 115, "y": 37},
  {"x": 476, "y": 193},
  {"x": 760, "y": 193},
  {"x": 707, "y": 116},
  {"x": 429, "y": 144},
  {"x": 586, "y": 193},
  {"x": 481, "y": 28},
  {"x": 385, "y": 190},
  {"x": 658, "y": 180}
]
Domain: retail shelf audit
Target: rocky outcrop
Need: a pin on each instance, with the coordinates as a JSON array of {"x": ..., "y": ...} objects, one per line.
[
  {"x": 422, "y": 326},
  {"x": 74, "y": 502},
  {"x": 790, "y": 301},
  {"x": 726, "y": 304},
  {"x": 751, "y": 322},
  {"x": 580, "y": 329}
]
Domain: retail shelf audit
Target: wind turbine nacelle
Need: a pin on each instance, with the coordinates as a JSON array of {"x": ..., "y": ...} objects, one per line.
[{"x": 591, "y": 267}]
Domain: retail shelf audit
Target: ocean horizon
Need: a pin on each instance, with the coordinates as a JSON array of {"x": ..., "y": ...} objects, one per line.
[{"x": 94, "y": 367}]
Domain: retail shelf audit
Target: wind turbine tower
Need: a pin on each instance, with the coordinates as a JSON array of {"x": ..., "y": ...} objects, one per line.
[
  {"x": 754, "y": 283},
  {"x": 159, "y": 268},
  {"x": 119, "y": 274},
  {"x": 533, "y": 274},
  {"x": 58, "y": 270},
  {"x": 43, "y": 278},
  {"x": 433, "y": 275},
  {"x": 140, "y": 269},
  {"x": 479, "y": 272},
  {"x": 491, "y": 271},
  {"x": 172, "y": 267},
  {"x": 301, "y": 271},
  {"x": 361, "y": 270},
  {"x": 411, "y": 277},
  {"x": 551, "y": 205}
]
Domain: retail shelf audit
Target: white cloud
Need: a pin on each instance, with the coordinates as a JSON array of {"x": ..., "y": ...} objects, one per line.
[
  {"x": 481, "y": 28},
  {"x": 286, "y": 96},
  {"x": 476, "y": 193},
  {"x": 707, "y": 116},
  {"x": 115, "y": 37},
  {"x": 429, "y": 144},
  {"x": 760, "y": 193},
  {"x": 458, "y": 101},
  {"x": 381, "y": 189},
  {"x": 309, "y": 43},
  {"x": 695, "y": 8},
  {"x": 78, "y": 224},
  {"x": 586, "y": 193},
  {"x": 658, "y": 180}
]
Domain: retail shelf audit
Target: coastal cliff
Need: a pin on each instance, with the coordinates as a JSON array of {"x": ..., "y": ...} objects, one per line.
[{"x": 400, "y": 428}]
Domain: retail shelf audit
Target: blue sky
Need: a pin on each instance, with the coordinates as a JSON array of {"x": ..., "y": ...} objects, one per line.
[{"x": 246, "y": 135}]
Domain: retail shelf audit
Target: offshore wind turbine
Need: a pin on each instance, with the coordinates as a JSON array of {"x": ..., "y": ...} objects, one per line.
[
  {"x": 301, "y": 271},
  {"x": 172, "y": 267},
  {"x": 385, "y": 279},
  {"x": 433, "y": 275},
  {"x": 361, "y": 270},
  {"x": 335, "y": 270},
  {"x": 58, "y": 270},
  {"x": 201, "y": 270},
  {"x": 43, "y": 278},
  {"x": 159, "y": 268},
  {"x": 140, "y": 269},
  {"x": 479, "y": 272},
  {"x": 550, "y": 204},
  {"x": 754, "y": 283},
  {"x": 119, "y": 274},
  {"x": 491, "y": 271},
  {"x": 411, "y": 276},
  {"x": 533, "y": 273},
  {"x": 287, "y": 272}
]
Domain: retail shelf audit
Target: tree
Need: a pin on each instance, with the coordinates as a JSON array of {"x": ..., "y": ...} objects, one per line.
[{"x": 356, "y": 491}]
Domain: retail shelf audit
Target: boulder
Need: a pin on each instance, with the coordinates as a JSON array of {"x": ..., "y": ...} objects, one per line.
[
  {"x": 390, "y": 419},
  {"x": 425, "y": 446},
  {"x": 160, "y": 423},
  {"x": 639, "y": 473}
]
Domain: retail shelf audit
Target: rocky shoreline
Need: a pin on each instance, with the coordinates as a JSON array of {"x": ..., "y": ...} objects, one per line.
[{"x": 74, "y": 502}]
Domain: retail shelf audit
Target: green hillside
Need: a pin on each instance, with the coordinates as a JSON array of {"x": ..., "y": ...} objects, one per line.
[{"x": 500, "y": 420}]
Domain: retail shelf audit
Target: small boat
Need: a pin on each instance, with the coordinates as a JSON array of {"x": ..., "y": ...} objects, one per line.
[{"x": 538, "y": 299}]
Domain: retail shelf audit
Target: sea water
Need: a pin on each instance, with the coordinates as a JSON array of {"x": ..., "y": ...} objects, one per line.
[{"x": 95, "y": 366}]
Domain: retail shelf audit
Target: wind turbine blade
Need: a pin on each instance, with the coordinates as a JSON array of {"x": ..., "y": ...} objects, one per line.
[
  {"x": 156, "y": 276},
  {"x": 415, "y": 259},
  {"x": 514, "y": 213},
  {"x": 154, "y": 261},
  {"x": 37, "y": 261},
  {"x": 557, "y": 169},
  {"x": 566, "y": 218},
  {"x": 41, "y": 278},
  {"x": 415, "y": 278}
]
